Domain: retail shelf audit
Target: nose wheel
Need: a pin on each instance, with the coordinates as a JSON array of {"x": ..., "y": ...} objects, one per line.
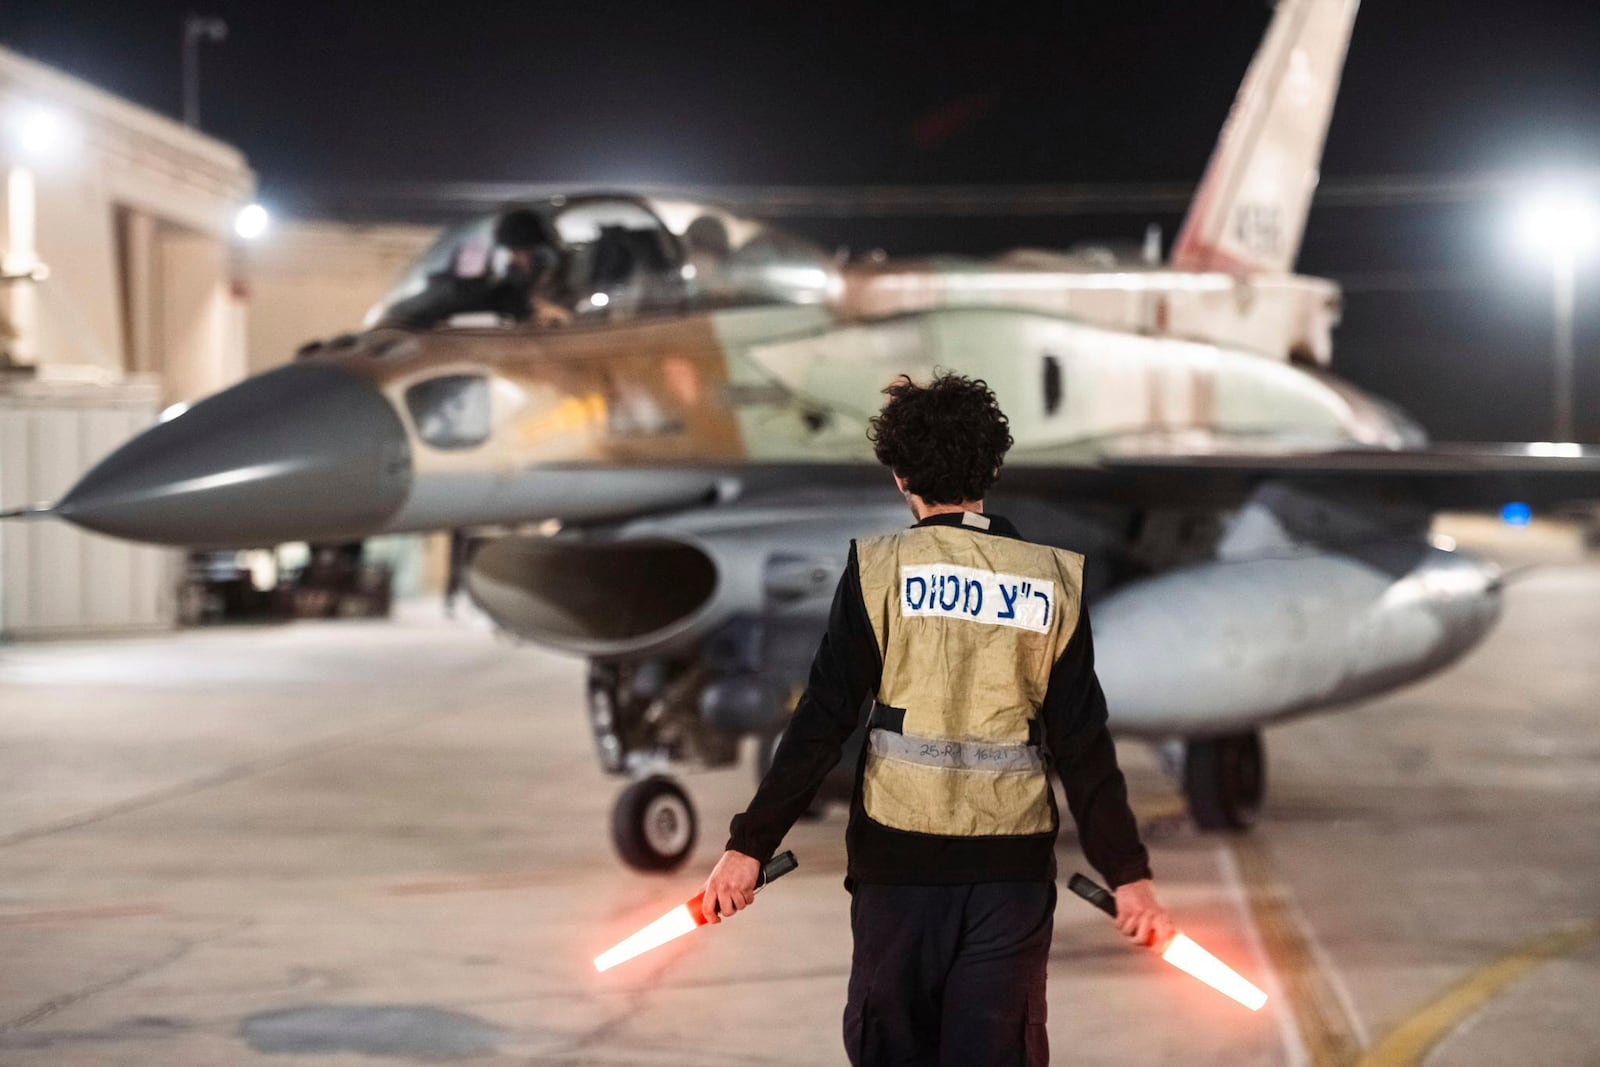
[
  {"x": 653, "y": 825},
  {"x": 1224, "y": 779}
]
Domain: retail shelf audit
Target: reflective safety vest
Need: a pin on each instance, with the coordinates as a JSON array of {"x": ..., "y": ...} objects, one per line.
[{"x": 969, "y": 625}]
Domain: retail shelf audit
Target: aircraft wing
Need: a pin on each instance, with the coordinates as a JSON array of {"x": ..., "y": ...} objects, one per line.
[
  {"x": 1466, "y": 477},
  {"x": 1461, "y": 477}
]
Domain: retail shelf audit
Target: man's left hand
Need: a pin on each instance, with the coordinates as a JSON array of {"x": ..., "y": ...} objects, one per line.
[{"x": 731, "y": 887}]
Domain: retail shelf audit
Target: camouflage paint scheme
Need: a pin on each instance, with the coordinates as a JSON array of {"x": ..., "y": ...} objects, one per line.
[{"x": 667, "y": 486}]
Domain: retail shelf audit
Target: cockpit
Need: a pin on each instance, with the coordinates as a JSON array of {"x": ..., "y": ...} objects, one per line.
[{"x": 597, "y": 259}]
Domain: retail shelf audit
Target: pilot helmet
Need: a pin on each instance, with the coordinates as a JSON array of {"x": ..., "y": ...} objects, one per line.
[{"x": 522, "y": 229}]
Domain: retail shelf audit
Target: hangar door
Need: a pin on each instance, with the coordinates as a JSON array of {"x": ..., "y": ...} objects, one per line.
[{"x": 57, "y": 580}]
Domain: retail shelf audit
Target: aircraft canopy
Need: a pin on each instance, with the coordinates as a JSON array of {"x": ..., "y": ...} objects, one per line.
[{"x": 600, "y": 258}]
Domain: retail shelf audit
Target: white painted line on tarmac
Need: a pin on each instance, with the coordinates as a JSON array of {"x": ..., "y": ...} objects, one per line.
[
  {"x": 1294, "y": 1045},
  {"x": 1336, "y": 982}
]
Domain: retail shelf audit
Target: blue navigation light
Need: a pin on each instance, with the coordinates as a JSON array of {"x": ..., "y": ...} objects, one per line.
[{"x": 1516, "y": 514}]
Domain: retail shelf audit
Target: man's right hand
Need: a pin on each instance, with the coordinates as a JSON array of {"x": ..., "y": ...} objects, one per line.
[
  {"x": 1141, "y": 916},
  {"x": 731, "y": 887}
]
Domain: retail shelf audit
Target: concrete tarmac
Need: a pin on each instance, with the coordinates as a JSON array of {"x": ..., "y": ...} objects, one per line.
[{"x": 361, "y": 843}]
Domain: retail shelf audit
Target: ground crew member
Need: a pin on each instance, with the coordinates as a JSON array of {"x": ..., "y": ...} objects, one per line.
[{"x": 975, "y": 648}]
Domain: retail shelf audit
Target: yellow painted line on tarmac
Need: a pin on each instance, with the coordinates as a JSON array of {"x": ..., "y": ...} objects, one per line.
[
  {"x": 477, "y": 883},
  {"x": 1329, "y": 1034},
  {"x": 1409, "y": 1043},
  {"x": 95, "y": 911}
]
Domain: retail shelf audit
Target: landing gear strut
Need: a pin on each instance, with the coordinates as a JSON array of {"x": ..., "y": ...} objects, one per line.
[
  {"x": 1224, "y": 779},
  {"x": 653, "y": 825}
]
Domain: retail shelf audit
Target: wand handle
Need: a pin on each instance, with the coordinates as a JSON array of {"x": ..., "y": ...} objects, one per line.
[
  {"x": 1094, "y": 893},
  {"x": 776, "y": 868}
]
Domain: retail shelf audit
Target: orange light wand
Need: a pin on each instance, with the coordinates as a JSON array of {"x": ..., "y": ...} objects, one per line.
[
  {"x": 1181, "y": 951},
  {"x": 683, "y": 919}
]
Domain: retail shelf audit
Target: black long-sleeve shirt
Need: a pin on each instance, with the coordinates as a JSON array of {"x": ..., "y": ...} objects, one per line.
[{"x": 847, "y": 670}]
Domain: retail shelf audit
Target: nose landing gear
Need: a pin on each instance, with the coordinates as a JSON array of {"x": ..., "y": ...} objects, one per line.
[{"x": 653, "y": 825}]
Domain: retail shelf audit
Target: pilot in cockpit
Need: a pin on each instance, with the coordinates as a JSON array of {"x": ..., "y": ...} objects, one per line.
[
  {"x": 526, "y": 287},
  {"x": 529, "y": 288}
]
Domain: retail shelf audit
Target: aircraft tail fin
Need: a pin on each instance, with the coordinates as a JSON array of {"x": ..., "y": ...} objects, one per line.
[{"x": 1249, "y": 213}]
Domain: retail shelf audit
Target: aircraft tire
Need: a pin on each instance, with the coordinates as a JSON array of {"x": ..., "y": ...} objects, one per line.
[
  {"x": 654, "y": 825},
  {"x": 1224, "y": 780}
]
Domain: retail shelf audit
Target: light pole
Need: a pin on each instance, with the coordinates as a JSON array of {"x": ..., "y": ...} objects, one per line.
[
  {"x": 1565, "y": 274},
  {"x": 1563, "y": 225},
  {"x": 196, "y": 28}
]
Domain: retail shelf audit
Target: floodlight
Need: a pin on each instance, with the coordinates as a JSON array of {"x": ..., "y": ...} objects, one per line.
[
  {"x": 251, "y": 221},
  {"x": 1559, "y": 222},
  {"x": 40, "y": 132}
]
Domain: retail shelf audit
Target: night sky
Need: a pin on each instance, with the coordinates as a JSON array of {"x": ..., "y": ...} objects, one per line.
[{"x": 344, "y": 96}]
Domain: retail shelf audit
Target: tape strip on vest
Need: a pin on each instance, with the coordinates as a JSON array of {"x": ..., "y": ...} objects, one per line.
[
  {"x": 954, "y": 755},
  {"x": 946, "y": 590}
]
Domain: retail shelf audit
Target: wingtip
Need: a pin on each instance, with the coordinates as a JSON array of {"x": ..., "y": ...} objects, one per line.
[{"x": 1518, "y": 574}]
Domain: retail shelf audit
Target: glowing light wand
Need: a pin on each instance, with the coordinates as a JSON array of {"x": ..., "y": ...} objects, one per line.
[
  {"x": 683, "y": 919},
  {"x": 1181, "y": 951}
]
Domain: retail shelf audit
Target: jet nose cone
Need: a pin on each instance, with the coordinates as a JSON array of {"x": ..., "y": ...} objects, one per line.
[{"x": 305, "y": 452}]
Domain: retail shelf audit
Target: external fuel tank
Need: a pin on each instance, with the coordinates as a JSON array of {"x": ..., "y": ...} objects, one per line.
[{"x": 1229, "y": 644}]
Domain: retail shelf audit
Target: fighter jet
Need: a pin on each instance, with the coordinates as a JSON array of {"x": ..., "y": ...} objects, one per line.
[{"x": 651, "y": 413}]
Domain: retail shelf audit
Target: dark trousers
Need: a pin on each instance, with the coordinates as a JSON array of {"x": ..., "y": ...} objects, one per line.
[{"x": 949, "y": 975}]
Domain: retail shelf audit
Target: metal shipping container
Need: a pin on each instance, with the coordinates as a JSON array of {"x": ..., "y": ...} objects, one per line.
[{"x": 57, "y": 580}]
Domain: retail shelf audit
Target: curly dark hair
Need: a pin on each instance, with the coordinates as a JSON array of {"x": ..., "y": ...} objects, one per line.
[{"x": 946, "y": 439}]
